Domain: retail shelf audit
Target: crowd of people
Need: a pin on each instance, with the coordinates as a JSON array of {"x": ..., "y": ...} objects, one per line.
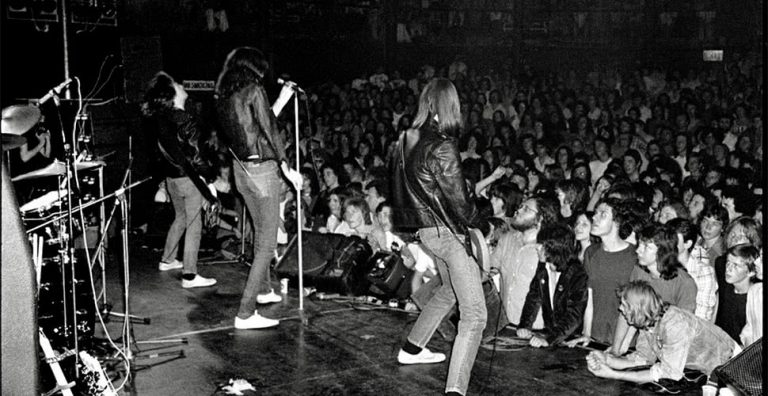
[{"x": 615, "y": 203}]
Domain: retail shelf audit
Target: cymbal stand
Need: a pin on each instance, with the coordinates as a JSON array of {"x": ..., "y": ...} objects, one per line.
[
  {"x": 68, "y": 249},
  {"x": 106, "y": 308}
]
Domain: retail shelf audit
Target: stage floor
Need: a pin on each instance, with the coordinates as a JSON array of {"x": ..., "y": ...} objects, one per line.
[{"x": 342, "y": 349}]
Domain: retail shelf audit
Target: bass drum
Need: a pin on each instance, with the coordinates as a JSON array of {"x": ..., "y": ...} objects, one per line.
[{"x": 57, "y": 300}]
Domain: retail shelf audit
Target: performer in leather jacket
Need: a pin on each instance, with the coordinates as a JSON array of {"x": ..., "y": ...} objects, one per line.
[
  {"x": 180, "y": 163},
  {"x": 249, "y": 126},
  {"x": 430, "y": 195}
]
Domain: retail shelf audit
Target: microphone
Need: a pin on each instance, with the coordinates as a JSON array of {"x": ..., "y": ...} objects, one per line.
[
  {"x": 54, "y": 92},
  {"x": 290, "y": 84}
]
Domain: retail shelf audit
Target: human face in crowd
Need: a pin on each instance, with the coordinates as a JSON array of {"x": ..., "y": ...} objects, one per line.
[
  {"x": 736, "y": 236},
  {"x": 737, "y": 270},
  {"x": 666, "y": 214},
  {"x": 329, "y": 178},
  {"x": 681, "y": 145},
  {"x": 745, "y": 144},
  {"x": 372, "y": 197},
  {"x": 562, "y": 156},
  {"x": 601, "y": 150},
  {"x": 602, "y": 221},
  {"x": 527, "y": 145},
  {"x": 646, "y": 253},
  {"x": 712, "y": 177},
  {"x": 720, "y": 152},
  {"x": 577, "y": 146},
  {"x": 334, "y": 204},
  {"x": 354, "y": 217},
  {"x": 582, "y": 227},
  {"x": 630, "y": 165},
  {"x": 653, "y": 150},
  {"x": 734, "y": 161},
  {"x": 488, "y": 157},
  {"x": 525, "y": 217},
  {"x": 694, "y": 165},
  {"x": 385, "y": 218},
  {"x": 541, "y": 150},
  {"x": 711, "y": 228}
]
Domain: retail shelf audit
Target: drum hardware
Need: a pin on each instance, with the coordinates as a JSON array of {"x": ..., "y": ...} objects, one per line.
[{"x": 128, "y": 342}]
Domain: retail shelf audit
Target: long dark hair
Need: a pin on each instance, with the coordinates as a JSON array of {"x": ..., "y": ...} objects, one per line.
[
  {"x": 159, "y": 95},
  {"x": 439, "y": 98},
  {"x": 559, "y": 244},
  {"x": 246, "y": 66},
  {"x": 665, "y": 240}
]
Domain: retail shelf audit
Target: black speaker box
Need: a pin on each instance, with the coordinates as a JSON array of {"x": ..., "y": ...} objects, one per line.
[{"x": 332, "y": 263}]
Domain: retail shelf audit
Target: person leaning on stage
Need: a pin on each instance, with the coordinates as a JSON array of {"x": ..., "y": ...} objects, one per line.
[
  {"x": 177, "y": 134},
  {"x": 251, "y": 130},
  {"x": 558, "y": 290},
  {"x": 670, "y": 339},
  {"x": 429, "y": 193}
]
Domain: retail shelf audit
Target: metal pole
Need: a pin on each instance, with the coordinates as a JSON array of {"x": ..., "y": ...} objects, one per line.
[
  {"x": 298, "y": 201},
  {"x": 66, "y": 46}
]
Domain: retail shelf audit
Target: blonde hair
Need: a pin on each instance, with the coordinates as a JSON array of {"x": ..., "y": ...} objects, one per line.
[
  {"x": 644, "y": 306},
  {"x": 439, "y": 98}
]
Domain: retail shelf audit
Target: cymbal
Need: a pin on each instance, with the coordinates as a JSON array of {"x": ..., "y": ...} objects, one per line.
[
  {"x": 57, "y": 168},
  {"x": 12, "y": 141},
  {"x": 18, "y": 119}
]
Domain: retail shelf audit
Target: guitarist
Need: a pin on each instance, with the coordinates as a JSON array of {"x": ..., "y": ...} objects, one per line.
[
  {"x": 177, "y": 135},
  {"x": 430, "y": 195}
]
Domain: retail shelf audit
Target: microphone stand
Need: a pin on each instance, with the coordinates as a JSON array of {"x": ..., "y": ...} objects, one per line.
[{"x": 299, "y": 227}]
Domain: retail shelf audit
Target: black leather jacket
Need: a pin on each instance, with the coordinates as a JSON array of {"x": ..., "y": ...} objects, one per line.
[
  {"x": 239, "y": 122},
  {"x": 178, "y": 134},
  {"x": 438, "y": 193}
]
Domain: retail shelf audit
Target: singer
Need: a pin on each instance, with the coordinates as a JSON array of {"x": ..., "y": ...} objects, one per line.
[
  {"x": 250, "y": 128},
  {"x": 430, "y": 194}
]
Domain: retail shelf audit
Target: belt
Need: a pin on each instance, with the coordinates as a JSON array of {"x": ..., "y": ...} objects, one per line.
[{"x": 253, "y": 161}]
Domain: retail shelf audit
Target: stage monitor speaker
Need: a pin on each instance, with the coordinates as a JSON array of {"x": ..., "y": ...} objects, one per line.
[
  {"x": 17, "y": 299},
  {"x": 142, "y": 58},
  {"x": 332, "y": 263}
]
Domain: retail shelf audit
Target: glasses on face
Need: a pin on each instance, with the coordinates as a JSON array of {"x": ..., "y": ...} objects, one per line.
[{"x": 526, "y": 208}]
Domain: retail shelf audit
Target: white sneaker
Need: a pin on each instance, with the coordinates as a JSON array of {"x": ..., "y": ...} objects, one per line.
[
  {"x": 256, "y": 321},
  {"x": 424, "y": 357},
  {"x": 270, "y": 297},
  {"x": 198, "y": 281},
  {"x": 175, "y": 264}
]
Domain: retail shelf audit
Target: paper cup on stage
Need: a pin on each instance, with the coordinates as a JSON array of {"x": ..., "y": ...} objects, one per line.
[{"x": 284, "y": 286}]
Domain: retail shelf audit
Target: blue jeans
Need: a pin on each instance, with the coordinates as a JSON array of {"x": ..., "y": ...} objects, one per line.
[
  {"x": 187, "y": 204},
  {"x": 462, "y": 283},
  {"x": 260, "y": 188}
]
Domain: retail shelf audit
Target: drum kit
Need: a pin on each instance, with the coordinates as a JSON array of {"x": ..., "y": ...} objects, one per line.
[
  {"x": 65, "y": 301},
  {"x": 67, "y": 297}
]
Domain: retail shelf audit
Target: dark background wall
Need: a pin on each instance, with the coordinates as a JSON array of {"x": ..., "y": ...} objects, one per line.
[{"x": 318, "y": 39}]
